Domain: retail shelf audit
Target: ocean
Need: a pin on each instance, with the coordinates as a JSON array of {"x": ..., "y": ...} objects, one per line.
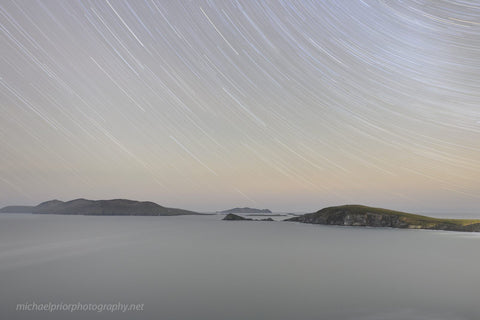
[{"x": 203, "y": 268}]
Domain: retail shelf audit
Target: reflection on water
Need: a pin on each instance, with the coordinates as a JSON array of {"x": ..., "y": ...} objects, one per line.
[{"x": 204, "y": 268}]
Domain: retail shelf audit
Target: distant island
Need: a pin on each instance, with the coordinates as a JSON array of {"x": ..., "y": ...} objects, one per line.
[
  {"x": 245, "y": 210},
  {"x": 357, "y": 215},
  {"x": 115, "y": 207}
]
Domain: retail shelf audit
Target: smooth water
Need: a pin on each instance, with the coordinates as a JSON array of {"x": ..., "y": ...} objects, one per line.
[{"x": 199, "y": 267}]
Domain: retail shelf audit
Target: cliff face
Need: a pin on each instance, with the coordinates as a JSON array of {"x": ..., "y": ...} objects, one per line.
[
  {"x": 343, "y": 218},
  {"x": 355, "y": 215},
  {"x": 117, "y": 207}
]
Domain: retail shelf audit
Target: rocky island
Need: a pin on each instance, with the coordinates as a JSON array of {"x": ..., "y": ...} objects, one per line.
[
  {"x": 246, "y": 210},
  {"x": 234, "y": 217},
  {"x": 357, "y": 215},
  {"x": 115, "y": 207}
]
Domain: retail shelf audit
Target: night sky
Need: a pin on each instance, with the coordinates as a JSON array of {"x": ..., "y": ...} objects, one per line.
[{"x": 207, "y": 105}]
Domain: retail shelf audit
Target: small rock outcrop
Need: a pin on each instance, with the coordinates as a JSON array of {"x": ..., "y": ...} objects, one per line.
[{"x": 234, "y": 217}]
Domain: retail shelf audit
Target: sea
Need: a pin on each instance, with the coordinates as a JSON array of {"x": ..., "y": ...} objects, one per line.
[{"x": 203, "y": 268}]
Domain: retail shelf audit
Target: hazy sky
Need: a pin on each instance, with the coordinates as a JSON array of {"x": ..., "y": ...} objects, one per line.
[{"x": 207, "y": 105}]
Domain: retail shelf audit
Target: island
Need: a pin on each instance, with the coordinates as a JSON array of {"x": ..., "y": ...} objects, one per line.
[
  {"x": 245, "y": 210},
  {"x": 235, "y": 217},
  {"x": 358, "y": 215},
  {"x": 115, "y": 207}
]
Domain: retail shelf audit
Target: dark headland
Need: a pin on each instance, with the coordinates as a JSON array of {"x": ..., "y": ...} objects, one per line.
[
  {"x": 246, "y": 210},
  {"x": 115, "y": 207},
  {"x": 357, "y": 215}
]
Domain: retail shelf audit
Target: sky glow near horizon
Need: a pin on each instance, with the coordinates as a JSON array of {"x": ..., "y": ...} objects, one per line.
[{"x": 207, "y": 105}]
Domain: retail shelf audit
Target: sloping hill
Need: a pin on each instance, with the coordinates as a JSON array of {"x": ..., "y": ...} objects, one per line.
[{"x": 117, "y": 207}]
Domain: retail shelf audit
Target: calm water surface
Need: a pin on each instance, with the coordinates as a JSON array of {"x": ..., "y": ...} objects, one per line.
[{"x": 199, "y": 267}]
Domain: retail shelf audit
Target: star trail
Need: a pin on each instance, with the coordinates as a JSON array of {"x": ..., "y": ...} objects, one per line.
[{"x": 205, "y": 105}]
